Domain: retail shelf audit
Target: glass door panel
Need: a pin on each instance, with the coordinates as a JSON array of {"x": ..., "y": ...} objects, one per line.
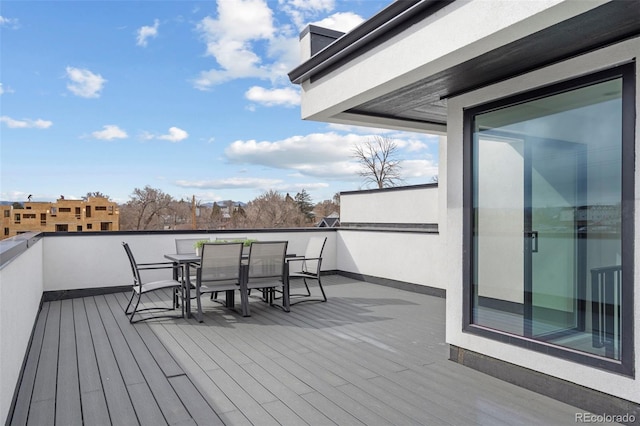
[
  {"x": 553, "y": 196},
  {"x": 547, "y": 244}
]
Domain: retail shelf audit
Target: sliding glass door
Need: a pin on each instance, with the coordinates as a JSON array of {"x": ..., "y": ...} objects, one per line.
[{"x": 546, "y": 195}]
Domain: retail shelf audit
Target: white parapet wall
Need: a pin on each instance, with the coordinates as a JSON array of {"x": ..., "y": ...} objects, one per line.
[
  {"x": 77, "y": 261},
  {"x": 392, "y": 234},
  {"x": 400, "y": 205},
  {"x": 21, "y": 287}
]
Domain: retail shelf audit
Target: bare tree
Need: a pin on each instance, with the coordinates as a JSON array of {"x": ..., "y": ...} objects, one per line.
[
  {"x": 145, "y": 209},
  {"x": 270, "y": 210},
  {"x": 379, "y": 162},
  {"x": 325, "y": 208}
]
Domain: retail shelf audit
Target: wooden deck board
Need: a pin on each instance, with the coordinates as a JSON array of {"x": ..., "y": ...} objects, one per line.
[
  {"x": 371, "y": 355},
  {"x": 25, "y": 391},
  {"x": 68, "y": 408}
]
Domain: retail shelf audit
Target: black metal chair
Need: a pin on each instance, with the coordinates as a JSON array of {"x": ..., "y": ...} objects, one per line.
[
  {"x": 219, "y": 270},
  {"x": 185, "y": 246},
  {"x": 140, "y": 288},
  {"x": 308, "y": 269},
  {"x": 266, "y": 271}
]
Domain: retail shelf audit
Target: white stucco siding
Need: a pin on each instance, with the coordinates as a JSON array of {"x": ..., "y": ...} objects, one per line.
[
  {"x": 430, "y": 46},
  {"x": 418, "y": 205},
  {"x": 409, "y": 257},
  {"x": 21, "y": 288},
  {"x": 81, "y": 262},
  {"x": 594, "y": 378}
]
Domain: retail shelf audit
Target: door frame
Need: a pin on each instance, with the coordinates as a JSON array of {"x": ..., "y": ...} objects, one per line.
[{"x": 625, "y": 365}]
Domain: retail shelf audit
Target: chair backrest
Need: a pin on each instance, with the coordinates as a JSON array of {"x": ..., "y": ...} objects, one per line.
[
  {"x": 187, "y": 245},
  {"x": 220, "y": 262},
  {"x": 266, "y": 259},
  {"x": 314, "y": 250},
  {"x": 134, "y": 266}
]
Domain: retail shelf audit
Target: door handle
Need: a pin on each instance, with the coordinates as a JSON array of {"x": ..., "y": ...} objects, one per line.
[{"x": 533, "y": 236}]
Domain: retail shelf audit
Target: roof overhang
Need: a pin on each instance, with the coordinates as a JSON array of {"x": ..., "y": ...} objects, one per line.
[{"x": 420, "y": 104}]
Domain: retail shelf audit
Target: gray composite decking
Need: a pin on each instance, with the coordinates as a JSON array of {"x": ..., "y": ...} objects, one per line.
[{"x": 371, "y": 355}]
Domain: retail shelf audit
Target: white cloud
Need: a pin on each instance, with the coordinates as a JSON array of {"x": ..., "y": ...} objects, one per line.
[
  {"x": 110, "y": 132},
  {"x": 245, "y": 43},
  {"x": 326, "y": 155},
  {"x": 287, "y": 96},
  {"x": 329, "y": 155},
  {"x": 311, "y": 5},
  {"x": 146, "y": 32},
  {"x": 419, "y": 168},
  {"x": 341, "y": 21},
  {"x": 175, "y": 135},
  {"x": 25, "y": 123},
  {"x": 231, "y": 183},
  {"x": 84, "y": 83},
  {"x": 11, "y": 23},
  {"x": 229, "y": 40},
  {"x": 301, "y": 10}
]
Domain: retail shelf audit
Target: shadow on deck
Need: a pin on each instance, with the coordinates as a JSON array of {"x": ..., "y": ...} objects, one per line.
[{"x": 371, "y": 355}]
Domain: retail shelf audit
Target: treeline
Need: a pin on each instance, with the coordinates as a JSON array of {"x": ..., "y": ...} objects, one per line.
[{"x": 152, "y": 209}]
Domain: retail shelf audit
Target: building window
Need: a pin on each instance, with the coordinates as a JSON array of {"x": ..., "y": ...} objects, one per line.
[
  {"x": 62, "y": 228},
  {"x": 79, "y": 228},
  {"x": 7, "y": 213},
  {"x": 105, "y": 226},
  {"x": 549, "y": 224},
  {"x": 101, "y": 208},
  {"x": 6, "y": 232},
  {"x": 16, "y": 218},
  {"x": 65, "y": 209},
  {"x": 89, "y": 226},
  {"x": 28, "y": 215}
]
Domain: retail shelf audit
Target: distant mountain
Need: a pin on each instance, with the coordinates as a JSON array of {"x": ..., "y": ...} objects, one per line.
[{"x": 224, "y": 203}]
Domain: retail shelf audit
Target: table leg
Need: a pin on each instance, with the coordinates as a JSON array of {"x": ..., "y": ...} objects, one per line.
[
  {"x": 187, "y": 281},
  {"x": 230, "y": 301},
  {"x": 285, "y": 289}
]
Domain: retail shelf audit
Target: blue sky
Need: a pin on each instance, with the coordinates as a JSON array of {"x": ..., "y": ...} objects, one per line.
[{"x": 188, "y": 97}]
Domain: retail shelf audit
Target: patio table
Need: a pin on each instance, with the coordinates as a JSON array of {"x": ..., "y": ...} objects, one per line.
[{"x": 187, "y": 259}]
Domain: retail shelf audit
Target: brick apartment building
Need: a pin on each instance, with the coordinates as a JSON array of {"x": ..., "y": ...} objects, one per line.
[{"x": 92, "y": 214}]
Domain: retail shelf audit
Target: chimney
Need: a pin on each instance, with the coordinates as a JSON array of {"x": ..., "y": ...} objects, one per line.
[{"x": 313, "y": 39}]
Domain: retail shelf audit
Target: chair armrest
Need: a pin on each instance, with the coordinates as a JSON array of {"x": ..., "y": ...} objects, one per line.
[
  {"x": 156, "y": 265},
  {"x": 298, "y": 259}
]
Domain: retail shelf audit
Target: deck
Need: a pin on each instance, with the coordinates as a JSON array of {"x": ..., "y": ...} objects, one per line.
[{"x": 372, "y": 355}]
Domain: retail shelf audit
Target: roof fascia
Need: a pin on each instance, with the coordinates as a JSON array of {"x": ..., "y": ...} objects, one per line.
[{"x": 367, "y": 35}]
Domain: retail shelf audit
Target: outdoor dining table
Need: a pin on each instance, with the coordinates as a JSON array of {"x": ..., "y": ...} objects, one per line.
[{"x": 187, "y": 259}]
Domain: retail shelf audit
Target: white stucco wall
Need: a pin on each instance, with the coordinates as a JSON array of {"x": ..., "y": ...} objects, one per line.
[
  {"x": 412, "y": 257},
  {"x": 399, "y": 205},
  {"x": 409, "y": 257},
  {"x": 594, "y": 378},
  {"x": 86, "y": 261},
  {"x": 20, "y": 294}
]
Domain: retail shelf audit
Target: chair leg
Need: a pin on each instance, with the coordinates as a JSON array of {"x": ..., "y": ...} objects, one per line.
[
  {"x": 324, "y": 296},
  {"x": 244, "y": 302},
  {"x": 286, "y": 303},
  {"x": 199, "y": 303},
  {"x": 135, "y": 308},
  {"x": 126, "y": 310}
]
